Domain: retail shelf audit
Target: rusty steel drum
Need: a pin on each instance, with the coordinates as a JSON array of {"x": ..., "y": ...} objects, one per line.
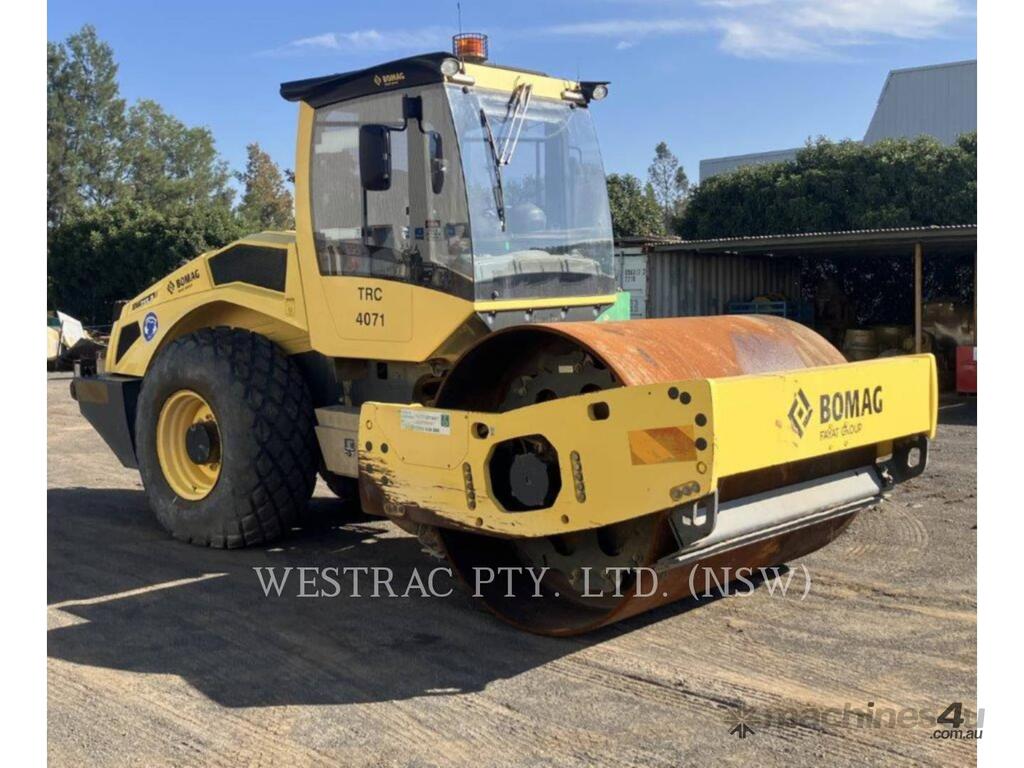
[{"x": 518, "y": 366}]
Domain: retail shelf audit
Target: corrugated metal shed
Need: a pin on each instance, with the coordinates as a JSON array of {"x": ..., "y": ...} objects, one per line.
[
  {"x": 683, "y": 283},
  {"x": 702, "y": 277},
  {"x": 939, "y": 101}
]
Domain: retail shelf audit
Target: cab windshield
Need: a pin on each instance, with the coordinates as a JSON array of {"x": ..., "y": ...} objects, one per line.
[{"x": 538, "y": 207}]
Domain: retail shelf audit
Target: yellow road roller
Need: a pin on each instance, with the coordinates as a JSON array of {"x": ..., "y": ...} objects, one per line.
[{"x": 442, "y": 338}]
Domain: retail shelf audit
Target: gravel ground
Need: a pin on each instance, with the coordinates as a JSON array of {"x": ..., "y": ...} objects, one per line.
[{"x": 162, "y": 653}]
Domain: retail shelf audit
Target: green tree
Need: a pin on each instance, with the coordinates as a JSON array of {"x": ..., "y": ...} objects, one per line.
[
  {"x": 635, "y": 211},
  {"x": 841, "y": 185},
  {"x": 130, "y": 193},
  {"x": 168, "y": 164},
  {"x": 109, "y": 253},
  {"x": 85, "y": 124},
  {"x": 266, "y": 202},
  {"x": 669, "y": 181}
]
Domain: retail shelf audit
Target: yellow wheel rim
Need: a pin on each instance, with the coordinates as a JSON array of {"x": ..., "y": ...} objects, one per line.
[{"x": 187, "y": 478}]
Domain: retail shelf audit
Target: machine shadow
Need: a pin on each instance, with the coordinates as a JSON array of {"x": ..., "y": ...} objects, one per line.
[
  {"x": 958, "y": 410},
  {"x": 128, "y": 597}
]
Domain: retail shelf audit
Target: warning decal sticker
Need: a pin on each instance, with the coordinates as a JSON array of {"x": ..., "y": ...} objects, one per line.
[{"x": 419, "y": 420}]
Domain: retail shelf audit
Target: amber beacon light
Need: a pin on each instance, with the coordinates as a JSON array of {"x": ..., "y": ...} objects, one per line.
[{"x": 470, "y": 46}]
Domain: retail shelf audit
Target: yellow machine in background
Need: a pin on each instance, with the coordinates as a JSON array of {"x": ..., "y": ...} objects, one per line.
[{"x": 426, "y": 340}]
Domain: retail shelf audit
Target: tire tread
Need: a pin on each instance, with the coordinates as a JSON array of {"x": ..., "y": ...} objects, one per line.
[{"x": 275, "y": 486}]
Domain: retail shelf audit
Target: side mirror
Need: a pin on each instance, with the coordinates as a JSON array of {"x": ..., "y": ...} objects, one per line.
[
  {"x": 438, "y": 166},
  {"x": 375, "y": 157}
]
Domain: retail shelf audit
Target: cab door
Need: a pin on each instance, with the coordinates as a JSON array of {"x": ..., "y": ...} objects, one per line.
[{"x": 377, "y": 206}]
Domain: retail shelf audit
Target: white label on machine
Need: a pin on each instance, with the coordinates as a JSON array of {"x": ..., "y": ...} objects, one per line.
[
  {"x": 634, "y": 280},
  {"x": 418, "y": 420}
]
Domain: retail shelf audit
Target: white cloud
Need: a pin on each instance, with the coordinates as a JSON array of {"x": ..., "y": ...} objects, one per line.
[
  {"x": 628, "y": 27},
  {"x": 364, "y": 40},
  {"x": 328, "y": 40},
  {"x": 906, "y": 18},
  {"x": 770, "y": 29},
  {"x": 750, "y": 41},
  {"x": 789, "y": 29}
]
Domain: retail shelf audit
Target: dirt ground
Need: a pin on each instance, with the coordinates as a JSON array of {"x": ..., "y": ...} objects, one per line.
[{"x": 162, "y": 653}]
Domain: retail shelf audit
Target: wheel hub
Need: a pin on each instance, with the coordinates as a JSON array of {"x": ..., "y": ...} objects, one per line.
[
  {"x": 529, "y": 479},
  {"x": 188, "y": 445},
  {"x": 202, "y": 442}
]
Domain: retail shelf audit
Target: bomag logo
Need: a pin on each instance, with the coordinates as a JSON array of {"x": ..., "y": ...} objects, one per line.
[
  {"x": 392, "y": 78},
  {"x": 182, "y": 282},
  {"x": 833, "y": 407},
  {"x": 800, "y": 413},
  {"x": 850, "y": 404}
]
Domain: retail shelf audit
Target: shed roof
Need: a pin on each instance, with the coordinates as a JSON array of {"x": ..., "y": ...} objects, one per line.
[{"x": 949, "y": 236}]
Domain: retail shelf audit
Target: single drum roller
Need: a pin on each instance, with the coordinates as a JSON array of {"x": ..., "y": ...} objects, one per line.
[
  {"x": 523, "y": 366},
  {"x": 442, "y": 338}
]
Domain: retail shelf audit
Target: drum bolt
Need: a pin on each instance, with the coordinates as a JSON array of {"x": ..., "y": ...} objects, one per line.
[{"x": 687, "y": 489}]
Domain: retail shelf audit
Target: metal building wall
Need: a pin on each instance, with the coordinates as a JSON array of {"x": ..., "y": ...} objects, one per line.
[
  {"x": 715, "y": 166},
  {"x": 940, "y": 101},
  {"x": 682, "y": 283}
]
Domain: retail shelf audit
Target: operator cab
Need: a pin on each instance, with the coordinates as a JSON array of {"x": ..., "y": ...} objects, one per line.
[{"x": 448, "y": 173}]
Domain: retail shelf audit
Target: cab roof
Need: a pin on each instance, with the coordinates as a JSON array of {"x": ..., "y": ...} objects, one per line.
[{"x": 423, "y": 69}]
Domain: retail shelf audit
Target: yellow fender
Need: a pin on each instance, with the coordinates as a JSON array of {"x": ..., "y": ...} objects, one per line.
[{"x": 253, "y": 283}]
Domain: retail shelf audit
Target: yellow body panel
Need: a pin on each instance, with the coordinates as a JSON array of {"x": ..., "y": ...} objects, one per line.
[
  {"x": 187, "y": 300},
  {"x": 381, "y": 319},
  {"x": 651, "y": 453},
  {"x": 499, "y": 79},
  {"x": 842, "y": 407},
  {"x": 426, "y": 469}
]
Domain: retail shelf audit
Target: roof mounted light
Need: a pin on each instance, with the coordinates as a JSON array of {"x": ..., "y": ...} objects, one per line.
[
  {"x": 450, "y": 67},
  {"x": 594, "y": 89},
  {"x": 470, "y": 46}
]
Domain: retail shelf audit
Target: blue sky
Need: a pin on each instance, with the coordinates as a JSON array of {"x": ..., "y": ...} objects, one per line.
[{"x": 710, "y": 77}]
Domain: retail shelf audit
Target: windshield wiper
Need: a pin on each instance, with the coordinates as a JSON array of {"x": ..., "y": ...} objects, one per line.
[
  {"x": 499, "y": 191},
  {"x": 519, "y": 104}
]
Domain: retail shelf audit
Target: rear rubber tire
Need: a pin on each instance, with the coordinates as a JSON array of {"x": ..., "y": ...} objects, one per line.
[
  {"x": 265, "y": 416},
  {"x": 345, "y": 488}
]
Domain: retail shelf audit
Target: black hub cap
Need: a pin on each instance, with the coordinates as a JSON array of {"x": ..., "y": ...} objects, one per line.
[
  {"x": 202, "y": 443},
  {"x": 529, "y": 480}
]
